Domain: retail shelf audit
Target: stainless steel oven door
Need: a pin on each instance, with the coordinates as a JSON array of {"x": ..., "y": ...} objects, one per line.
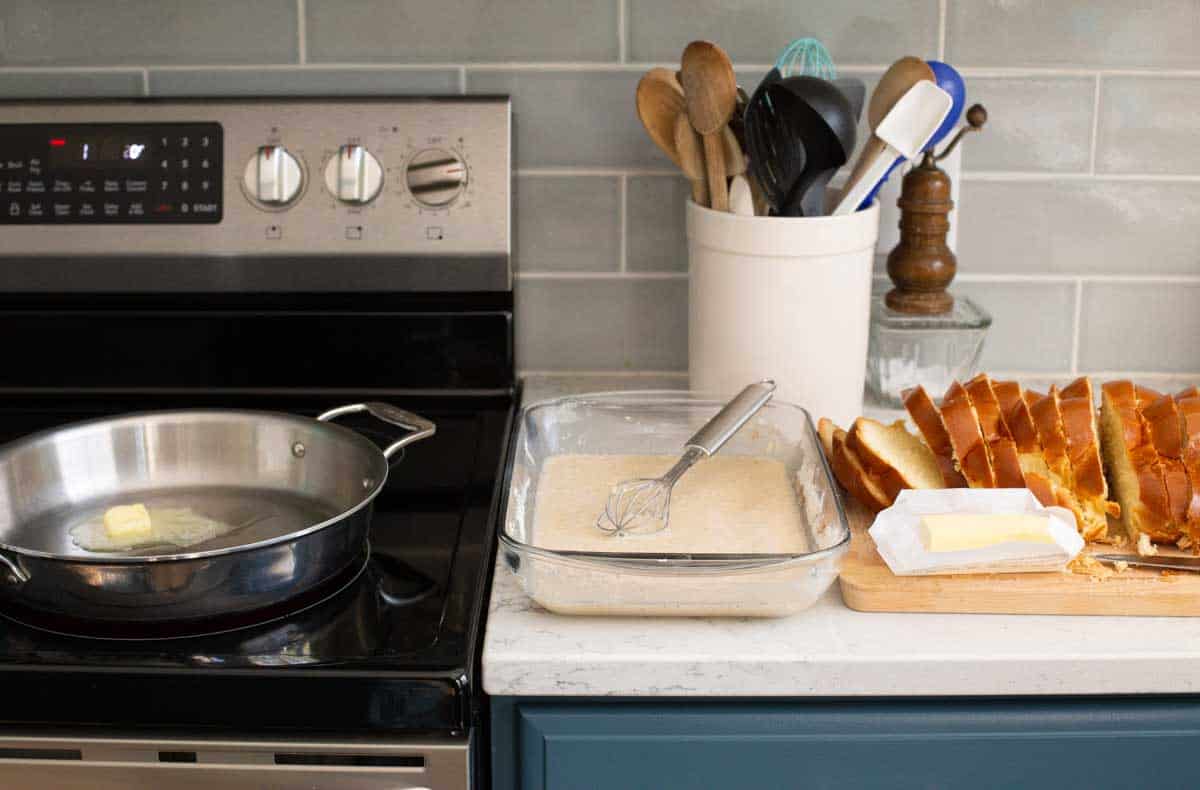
[{"x": 64, "y": 763}]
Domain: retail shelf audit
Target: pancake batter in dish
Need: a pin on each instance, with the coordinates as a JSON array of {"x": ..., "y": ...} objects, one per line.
[{"x": 725, "y": 504}]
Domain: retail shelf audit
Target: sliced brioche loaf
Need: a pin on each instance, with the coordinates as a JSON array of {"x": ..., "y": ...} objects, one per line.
[
  {"x": 848, "y": 470},
  {"x": 893, "y": 456},
  {"x": 929, "y": 422},
  {"x": 1130, "y": 460},
  {"x": 1002, "y": 450},
  {"x": 962, "y": 425}
]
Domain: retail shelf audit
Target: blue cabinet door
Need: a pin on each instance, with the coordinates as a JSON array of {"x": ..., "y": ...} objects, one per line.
[{"x": 573, "y": 744}]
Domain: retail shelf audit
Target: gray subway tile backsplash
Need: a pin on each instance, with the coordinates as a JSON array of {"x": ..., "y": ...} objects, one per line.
[
  {"x": 854, "y": 31},
  {"x": 305, "y": 82},
  {"x": 568, "y": 224},
  {"x": 1024, "y": 314},
  {"x": 1091, "y": 33},
  {"x": 1149, "y": 125},
  {"x": 657, "y": 240},
  {"x": 462, "y": 30},
  {"x": 1063, "y": 187},
  {"x": 145, "y": 32},
  {"x": 1034, "y": 123},
  {"x": 601, "y": 324},
  {"x": 1149, "y": 327},
  {"x": 569, "y": 117},
  {"x": 1080, "y": 227}
]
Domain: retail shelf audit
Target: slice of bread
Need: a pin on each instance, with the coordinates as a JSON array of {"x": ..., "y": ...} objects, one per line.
[
  {"x": 848, "y": 470},
  {"x": 825, "y": 429},
  {"x": 1130, "y": 460},
  {"x": 1165, "y": 431},
  {"x": 1002, "y": 450},
  {"x": 1082, "y": 431},
  {"x": 929, "y": 422},
  {"x": 893, "y": 456},
  {"x": 962, "y": 425},
  {"x": 1188, "y": 403},
  {"x": 1029, "y": 449},
  {"x": 1047, "y": 418}
]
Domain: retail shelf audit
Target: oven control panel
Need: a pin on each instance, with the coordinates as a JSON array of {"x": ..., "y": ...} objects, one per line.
[
  {"x": 79, "y": 173},
  {"x": 213, "y": 190}
]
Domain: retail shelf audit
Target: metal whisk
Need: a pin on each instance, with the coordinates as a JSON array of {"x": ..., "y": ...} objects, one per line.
[{"x": 643, "y": 506}]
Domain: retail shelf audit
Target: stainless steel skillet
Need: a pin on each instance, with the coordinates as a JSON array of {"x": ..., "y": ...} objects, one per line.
[{"x": 298, "y": 493}]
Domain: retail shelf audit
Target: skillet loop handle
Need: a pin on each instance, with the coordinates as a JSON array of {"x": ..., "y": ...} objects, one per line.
[
  {"x": 393, "y": 415},
  {"x": 14, "y": 570}
]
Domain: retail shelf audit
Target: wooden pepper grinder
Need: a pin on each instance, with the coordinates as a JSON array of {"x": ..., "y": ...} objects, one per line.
[{"x": 922, "y": 265}]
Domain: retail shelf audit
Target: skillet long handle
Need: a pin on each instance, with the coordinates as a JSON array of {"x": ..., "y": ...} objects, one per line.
[
  {"x": 14, "y": 570},
  {"x": 421, "y": 428},
  {"x": 732, "y": 417}
]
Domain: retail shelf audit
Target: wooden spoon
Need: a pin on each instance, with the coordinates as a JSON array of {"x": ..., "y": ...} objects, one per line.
[
  {"x": 894, "y": 83},
  {"x": 710, "y": 92},
  {"x": 659, "y": 103},
  {"x": 735, "y": 160},
  {"x": 691, "y": 158}
]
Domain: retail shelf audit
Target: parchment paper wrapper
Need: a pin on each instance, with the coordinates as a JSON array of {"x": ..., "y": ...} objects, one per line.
[{"x": 897, "y": 534}]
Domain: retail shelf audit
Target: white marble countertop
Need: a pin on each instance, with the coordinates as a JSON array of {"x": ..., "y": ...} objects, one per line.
[{"x": 828, "y": 650}]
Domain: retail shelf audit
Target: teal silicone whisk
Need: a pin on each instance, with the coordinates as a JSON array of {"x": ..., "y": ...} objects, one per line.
[{"x": 806, "y": 57}]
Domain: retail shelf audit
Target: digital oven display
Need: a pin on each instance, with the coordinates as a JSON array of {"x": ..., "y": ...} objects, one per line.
[
  {"x": 99, "y": 152},
  {"x": 111, "y": 173}
]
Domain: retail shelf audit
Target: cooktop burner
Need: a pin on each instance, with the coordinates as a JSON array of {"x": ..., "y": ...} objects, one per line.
[{"x": 405, "y": 618}]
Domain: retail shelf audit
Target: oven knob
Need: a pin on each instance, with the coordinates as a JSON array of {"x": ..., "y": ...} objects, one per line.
[
  {"x": 273, "y": 176},
  {"x": 354, "y": 175},
  {"x": 436, "y": 177}
]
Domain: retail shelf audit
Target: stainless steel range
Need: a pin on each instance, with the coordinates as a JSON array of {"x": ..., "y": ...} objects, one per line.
[{"x": 286, "y": 255}]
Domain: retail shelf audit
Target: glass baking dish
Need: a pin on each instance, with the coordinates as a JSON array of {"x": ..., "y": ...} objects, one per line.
[{"x": 627, "y": 583}]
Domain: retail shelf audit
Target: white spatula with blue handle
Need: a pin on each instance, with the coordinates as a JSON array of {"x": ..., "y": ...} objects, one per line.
[{"x": 904, "y": 132}]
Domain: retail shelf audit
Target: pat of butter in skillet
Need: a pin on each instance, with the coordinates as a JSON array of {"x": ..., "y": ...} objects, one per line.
[
  {"x": 966, "y": 531},
  {"x": 128, "y": 522}
]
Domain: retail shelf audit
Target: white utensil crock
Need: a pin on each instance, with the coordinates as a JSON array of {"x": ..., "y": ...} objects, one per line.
[{"x": 786, "y": 298}]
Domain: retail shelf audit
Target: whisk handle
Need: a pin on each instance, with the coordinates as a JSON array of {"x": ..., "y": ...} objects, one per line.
[{"x": 732, "y": 417}]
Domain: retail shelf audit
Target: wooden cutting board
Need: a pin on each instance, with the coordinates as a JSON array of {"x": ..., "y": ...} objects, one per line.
[{"x": 868, "y": 586}]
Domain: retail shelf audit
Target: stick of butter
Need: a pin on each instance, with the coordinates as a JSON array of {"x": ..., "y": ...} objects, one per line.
[
  {"x": 128, "y": 522},
  {"x": 967, "y": 531}
]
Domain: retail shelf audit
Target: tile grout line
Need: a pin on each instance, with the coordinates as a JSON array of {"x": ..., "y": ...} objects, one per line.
[
  {"x": 575, "y": 172},
  {"x": 462, "y": 80},
  {"x": 602, "y": 65},
  {"x": 145, "y": 82},
  {"x": 1050, "y": 175},
  {"x": 623, "y": 207},
  {"x": 1036, "y": 277},
  {"x": 301, "y": 31},
  {"x": 943, "y": 12},
  {"x": 1095, "y": 127},
  {"x": 605, "y": 275},
  {"x": 1075, "y": 330},
  {"x": 622, "y": 47}
]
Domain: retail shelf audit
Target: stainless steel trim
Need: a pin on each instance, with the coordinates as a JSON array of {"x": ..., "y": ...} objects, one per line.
[
  {"x": 394, "y": 231},
  {"x": 120, "y": 763}
]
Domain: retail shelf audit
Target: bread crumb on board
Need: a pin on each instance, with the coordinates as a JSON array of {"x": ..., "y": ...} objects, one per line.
[
  {"x": 1145, "y": 547},
  {"x": 1184, "y": 542},
  {"x": 1087, "y": 565}
]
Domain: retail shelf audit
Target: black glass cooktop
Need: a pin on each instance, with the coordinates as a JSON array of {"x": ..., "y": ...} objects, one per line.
[{"x": 390, "y": 646}]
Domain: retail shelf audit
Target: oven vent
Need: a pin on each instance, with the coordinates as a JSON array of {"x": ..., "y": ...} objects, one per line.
[
  {"x": 354, "y": 760},
  {"x": 40, "y": 754}
]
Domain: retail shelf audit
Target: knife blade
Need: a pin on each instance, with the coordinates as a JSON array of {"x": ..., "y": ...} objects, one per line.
[{"x": 1174, "y": 563}]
